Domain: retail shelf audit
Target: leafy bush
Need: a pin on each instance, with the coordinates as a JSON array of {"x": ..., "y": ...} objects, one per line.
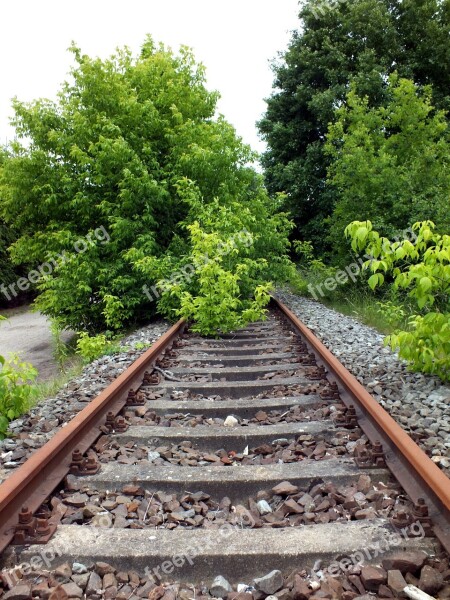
[
  {"x": 108, "y": 156},
  {"x": 16, "y": 391},
  {"x": 392, "y": 312},
  {"x": 313, "y": 272},
  {"x": 92, "y": 347},
  {"x": 222, "y": 275},
  {"x": 390, "y": 162},
  {"x": 218, "y": 304},
  {"x": 422, "y": 267}
]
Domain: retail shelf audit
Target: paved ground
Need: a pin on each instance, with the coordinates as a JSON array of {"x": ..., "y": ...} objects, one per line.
[{"x": 29, "y": 333}]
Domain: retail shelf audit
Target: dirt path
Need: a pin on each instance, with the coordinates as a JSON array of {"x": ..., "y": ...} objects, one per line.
[{"x": 29, "y": 333}]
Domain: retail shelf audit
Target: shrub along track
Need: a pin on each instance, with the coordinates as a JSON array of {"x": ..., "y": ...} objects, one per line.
[{"x": 236, "y": 457}]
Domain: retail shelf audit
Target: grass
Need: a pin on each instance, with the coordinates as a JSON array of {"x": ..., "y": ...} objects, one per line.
[
  {"x": 385, "y": 313},
  {"x": 50, "y": 388},
  {"x": 364, "y": 309}
]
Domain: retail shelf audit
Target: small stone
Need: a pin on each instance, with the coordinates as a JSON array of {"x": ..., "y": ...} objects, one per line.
[
  {"x": 132, "y": 490},
  {"x": 396, "y": 582},
  {"x": 285, "y": 489},
  {"x": 102, "y": 568},
  {"x": 122, "y": 577},
  {"x": 79, "y": 568},
  {"x": 90, "y": 510},
  {"x": 94, "y": 584},
  {"x": 365, "y": 513},
  {"x": 57, "y": 594},
  {"x": 109, "y": 580},
  {"x": 72, "y": 590},
  {"x": 292, "y": 507},
  {"x": 77, "y": 499},
  {"x": 64, "y": 570},
  {"x": 405, "y": 562},
  {"x": 81, "y": 580},
  {"x": 373, "y": 577},
  {"x": 301, "y": 590},
  {"x": 270, "y": 583},
  {"x": 103, "y": 519},
  {"x": 263, "y": 507},
  {"x": 220, "y": 587},
  {"x": 280, "y": 442},
  {"x": 364, "y": 484},
  {"x": 18, "y": 592},
  {"x": 157, "y": 593},
  {"x": 231, "y": 421},
  {"x": 430, "y": 580},
  {"x": 153, "y": 455}
]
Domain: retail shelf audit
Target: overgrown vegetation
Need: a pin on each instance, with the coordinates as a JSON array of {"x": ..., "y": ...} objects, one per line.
[
  {"x": 117, "y": 152},
  {"x": 222, "y": 278},
  {"x": 390, "y": 164},
  {"x": 422, "y": 268},
  {"x": 356, "y": 44},
  {"x": 16, "y": 391}
]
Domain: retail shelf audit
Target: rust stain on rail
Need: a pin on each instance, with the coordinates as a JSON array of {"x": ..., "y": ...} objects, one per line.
[
  {"x": 414, "y": 470},
  {"x": 36, "y": 479}
]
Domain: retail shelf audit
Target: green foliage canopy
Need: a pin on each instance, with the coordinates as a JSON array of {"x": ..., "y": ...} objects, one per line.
[
  {"x": 222, "y": 279},
  {"x": 390, "y": 164},
  {"x": 109, "y": 153},
  {"x": 422, "y": 267},
  {"x": 362, "y": 41}
]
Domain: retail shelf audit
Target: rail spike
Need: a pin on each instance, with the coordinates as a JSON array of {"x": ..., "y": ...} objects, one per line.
[
  {"x": 120, "y": 425},
  {"x": 369, "y": 457},
  {"x": 317, "y": 374},
  {"x": 83, "y": 466},
  {"x": 347, "y": 418},
  {"x": 331, "y": 392},
  {"x": 420, "y": 514},
  {"x": 151, "y": 378},
  {"x": 32, "y": 530},
  {"x": 135, "y": 399}
]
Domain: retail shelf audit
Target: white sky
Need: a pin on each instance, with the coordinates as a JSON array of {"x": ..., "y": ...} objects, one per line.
[{"x": 234, "y": 39}]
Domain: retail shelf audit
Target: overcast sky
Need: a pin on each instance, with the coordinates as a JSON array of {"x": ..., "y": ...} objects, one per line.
[{"x": 234, "y": 39}]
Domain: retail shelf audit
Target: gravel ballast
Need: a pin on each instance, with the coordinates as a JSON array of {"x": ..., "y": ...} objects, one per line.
[{"x": 419, "y": 403}]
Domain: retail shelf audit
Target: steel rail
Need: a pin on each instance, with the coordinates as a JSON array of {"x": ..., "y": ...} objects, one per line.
[
  {"x": 37, "y": 478},
  {"x": 413, "y": 469}
]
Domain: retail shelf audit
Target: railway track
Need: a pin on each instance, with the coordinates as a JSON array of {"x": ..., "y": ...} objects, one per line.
[{"x": 254, "y": 459}]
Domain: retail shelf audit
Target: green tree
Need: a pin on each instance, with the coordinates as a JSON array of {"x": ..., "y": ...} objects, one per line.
[
  {"x": 391, "y": 164},
  {"x": 8, "y": 274},
  {"x": 222, "y": 278},
  {"x": 362, "y": 41},
  {"x": 108, "y": 156}
]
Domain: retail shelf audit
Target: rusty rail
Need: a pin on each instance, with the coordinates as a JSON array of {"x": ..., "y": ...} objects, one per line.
[
  {"x": 36, "y": 479},
  {"x": 412, "y": 468}
]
